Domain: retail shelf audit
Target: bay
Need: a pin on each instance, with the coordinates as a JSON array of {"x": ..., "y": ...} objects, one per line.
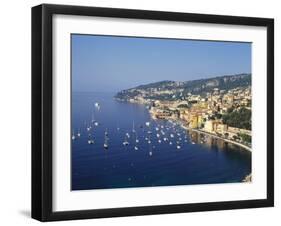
[{"x": 200, "y": 159}]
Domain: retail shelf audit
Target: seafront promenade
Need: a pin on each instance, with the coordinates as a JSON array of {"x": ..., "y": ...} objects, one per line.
[{"x": 224, "y": 139}]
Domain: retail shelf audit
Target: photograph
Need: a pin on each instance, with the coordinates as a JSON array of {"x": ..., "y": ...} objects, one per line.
[{"x": 148, "y": 111}]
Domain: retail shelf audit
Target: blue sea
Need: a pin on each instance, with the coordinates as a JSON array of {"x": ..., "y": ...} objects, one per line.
[{"x": 182, "y": 157}]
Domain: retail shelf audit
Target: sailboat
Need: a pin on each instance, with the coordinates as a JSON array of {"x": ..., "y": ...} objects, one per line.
[
  {"x": 97, "y": 105},
  {"x": 149, "y": 139},
  {"x": 137, "y": 140},
  {"x": 89, "y": 128},
  {"x": 133, "y": 130},
  {"x": 125, "y": 143},
  {"x": 73, "y": 136},
  {"x": 91, "y": 141},
  {"x": 78, "y": 134},
  {"x": 93, "y": 119},
  {"x": 105, "y": 145}
]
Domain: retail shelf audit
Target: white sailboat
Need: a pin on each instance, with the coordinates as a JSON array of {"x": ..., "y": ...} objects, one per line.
[
  {"x": 73, "y": 136},
  {"x": 125, "y": 143},
  {"x": 91, "y": 141},
  {"x": 89, "y": 128},
  {"x": 97, "y": 105},
  {"x": 94, "y": 121},
  {"x": 105, "y": 145},
  {"x": 137, "y": 140},
  {"x": 78, "y": 133}
]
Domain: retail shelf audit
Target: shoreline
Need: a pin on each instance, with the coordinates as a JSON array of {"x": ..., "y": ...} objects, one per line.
[
  {"x": 247, "y": 178},
  {"x": 212, "y": 135},
  {"x": 215, "y": 136},
  {"x": 198, "y": 130}
]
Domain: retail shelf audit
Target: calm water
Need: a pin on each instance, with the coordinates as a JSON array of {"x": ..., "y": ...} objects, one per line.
[{"x": 200, "y": 159}]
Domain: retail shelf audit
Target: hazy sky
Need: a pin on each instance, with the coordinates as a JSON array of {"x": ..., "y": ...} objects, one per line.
[{"x": 108, "y": 63}]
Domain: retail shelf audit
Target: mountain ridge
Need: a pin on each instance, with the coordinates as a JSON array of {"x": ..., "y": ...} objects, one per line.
[{"x": 197, "y": 86}]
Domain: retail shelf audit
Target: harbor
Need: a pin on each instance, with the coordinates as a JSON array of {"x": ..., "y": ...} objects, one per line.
[{"x": 132, "y": 141}]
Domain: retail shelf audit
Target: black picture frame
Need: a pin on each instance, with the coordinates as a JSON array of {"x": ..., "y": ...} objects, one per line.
[{"x": 42, "y": 107}]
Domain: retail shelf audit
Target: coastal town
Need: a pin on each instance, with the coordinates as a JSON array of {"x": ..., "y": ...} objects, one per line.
[{"x": 223, "y": 113}]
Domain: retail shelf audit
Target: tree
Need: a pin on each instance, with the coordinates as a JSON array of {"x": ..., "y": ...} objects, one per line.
[
  {"x": 239, "y": 119},
  {"x": 245, "y": 137},
  {"x": 226, "y": 135}
]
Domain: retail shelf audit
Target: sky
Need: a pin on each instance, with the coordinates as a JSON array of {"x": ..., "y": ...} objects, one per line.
[{"x": 113, "y": 63}]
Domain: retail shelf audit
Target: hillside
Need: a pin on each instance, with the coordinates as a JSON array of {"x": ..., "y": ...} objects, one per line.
[{"x": 198, "y": 87}]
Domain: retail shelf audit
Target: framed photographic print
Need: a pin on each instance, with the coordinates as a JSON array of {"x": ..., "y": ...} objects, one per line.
[{"x": 145, "y": 112}]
